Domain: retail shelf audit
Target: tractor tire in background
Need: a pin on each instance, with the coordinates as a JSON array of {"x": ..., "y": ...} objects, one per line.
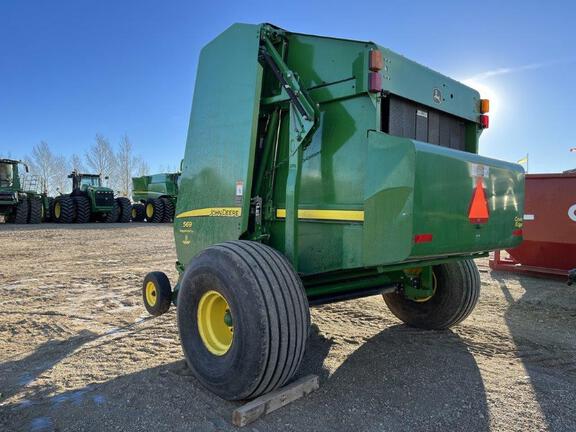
[
  {"x": 124, "y": 209},
  {"x": 456, "y": 291},
  {"x": 154, "y": 210},
  {"x": 34, "y": 210},
  {"x": 243, "y": 318},
  {"x": 138, "y": 212},
  {"x": 113, "y": 216},
  {"x": 168, "y": 215},
  {"x": 64, "y": 209},
  {"x": 82, "y": 206},
  {"x": 49, "y": 211},
  {"x": 21, "y": 213}
]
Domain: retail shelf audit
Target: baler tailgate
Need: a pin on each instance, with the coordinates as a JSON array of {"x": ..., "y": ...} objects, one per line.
[{"x": 436, "y": 201}]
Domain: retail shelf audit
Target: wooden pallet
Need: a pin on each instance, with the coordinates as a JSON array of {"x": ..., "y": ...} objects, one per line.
[{"x": 269, "y": 402}]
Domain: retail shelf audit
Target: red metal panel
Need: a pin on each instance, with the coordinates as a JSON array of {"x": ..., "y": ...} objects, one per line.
[{"x": 549, "y": 222}]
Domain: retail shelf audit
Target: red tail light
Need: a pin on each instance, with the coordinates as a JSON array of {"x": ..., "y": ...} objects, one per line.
[
  {"x": 484, "y": 121},
  {"x": 375, "y": 82},
  {"x": 376, "y": 62},
  {"x": 422, "y": 238}
]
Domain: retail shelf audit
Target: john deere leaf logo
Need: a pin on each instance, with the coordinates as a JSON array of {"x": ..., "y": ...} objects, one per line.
[{"x": 437, "y": 95}]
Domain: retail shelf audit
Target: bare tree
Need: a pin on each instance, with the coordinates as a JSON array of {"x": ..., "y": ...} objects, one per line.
[
  {"x": 50, "y": 168},
  {"x": 77, "y": 163},
  {"x": 61, "y": 168},
  {"x": 100, "y": 157},
  {"x": 142, "y": 167},
  {"x": 126, "y": 163}
]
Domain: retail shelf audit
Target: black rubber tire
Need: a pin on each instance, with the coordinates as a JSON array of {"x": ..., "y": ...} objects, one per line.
[
  {"x": 67, "y": 209},
  {"x": 48, "y": 212},
  {"x": 21, "y": 213},
  {"x": 82, "y": 206},
  {"x": 270, "y": 314},
  {"x": 124, "y": 209},
  {"x": 457, "y": 292},
  {"x": 163, "y": 293},
  {"x": 168, "y": 215},
  {"x": 34, "y": 210},
  {"x": 158, "y": 210},
  {"x": 113, "y": 216},
  {"x": 138, "y": 213}
]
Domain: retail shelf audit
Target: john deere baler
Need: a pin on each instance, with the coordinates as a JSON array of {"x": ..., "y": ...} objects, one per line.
[{"x": 318, "y": 170}]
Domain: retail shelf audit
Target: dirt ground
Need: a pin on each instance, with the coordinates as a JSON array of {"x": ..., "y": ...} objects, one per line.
[{"x": 78, "y": 352}]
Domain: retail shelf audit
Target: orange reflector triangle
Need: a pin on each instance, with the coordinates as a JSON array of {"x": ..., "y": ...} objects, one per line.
[{"x": 478, "y": 212}]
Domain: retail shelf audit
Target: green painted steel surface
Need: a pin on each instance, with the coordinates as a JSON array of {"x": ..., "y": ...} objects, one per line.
[
  {"x": 218, "y": 162},
  {"x": 155, "y": 186},
  {"x": 363, "y": 195}
]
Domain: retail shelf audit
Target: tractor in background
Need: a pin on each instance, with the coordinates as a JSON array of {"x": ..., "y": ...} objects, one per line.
[
  {"x": 89, "y": 201},
  {"x": 154, "y": 197},
  {"x": 21, "y": 198}
]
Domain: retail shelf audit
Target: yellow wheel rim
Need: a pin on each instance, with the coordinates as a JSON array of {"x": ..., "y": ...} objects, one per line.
[
  {"x": 151, "y": 294},
  {"x": 215, "y": 323},
  {"x": 57, "y": 210},
  {"x": 434, "y": 283},
  {"x": 149, "y": 210}
]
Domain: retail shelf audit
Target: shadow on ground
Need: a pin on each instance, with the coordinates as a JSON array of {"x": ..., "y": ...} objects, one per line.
[
  {"x": 402, "y": 379},
  {"x": 542, "y": 324}
]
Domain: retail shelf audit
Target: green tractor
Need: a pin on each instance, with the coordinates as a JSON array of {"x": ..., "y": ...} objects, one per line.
[
  {"x": 154, "y": 197},
  {"x": 21, "y": 201},
  {"x": 89, "y": 201}
]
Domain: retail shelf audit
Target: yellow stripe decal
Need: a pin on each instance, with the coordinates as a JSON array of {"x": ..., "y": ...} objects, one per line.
[
  {"x": 343, "y": 215},
  {"x": 213, "y": 211}
]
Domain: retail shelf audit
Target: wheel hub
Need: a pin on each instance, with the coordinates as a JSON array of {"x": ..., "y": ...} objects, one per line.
[
  {"x": 57, "y": 210},
  {"x": 215, "y": 323},
  {"x": 151, "y": 294},
  {"x": 149, "y": 210}
]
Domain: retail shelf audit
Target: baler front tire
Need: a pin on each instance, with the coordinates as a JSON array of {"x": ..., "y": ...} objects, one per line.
[
  {"x": 456, "y": 295},
  {"x": 267, "y": 309},
  {"x": 156, "y": 293}
]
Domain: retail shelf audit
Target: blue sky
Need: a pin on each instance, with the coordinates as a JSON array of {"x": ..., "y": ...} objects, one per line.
[{"x": 72, "y": 68}]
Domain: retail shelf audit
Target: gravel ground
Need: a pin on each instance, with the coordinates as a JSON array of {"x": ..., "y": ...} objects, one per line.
[{"x": 78, "y": 352}]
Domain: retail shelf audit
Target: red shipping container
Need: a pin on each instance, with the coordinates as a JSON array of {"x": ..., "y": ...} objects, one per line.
[{"x": 549, "y": 227}]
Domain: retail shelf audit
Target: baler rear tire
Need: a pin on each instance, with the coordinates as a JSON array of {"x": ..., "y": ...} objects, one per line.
[
  {"x": 34, "y": 210},
  {"x": 268, "y": 312},
  {"x": 154, "y": 210},
  {"x": 168, "y": 214},
  {"x": 456, "y": 295},
  {"x": 124, "y": 209},
  {"x": 21, "y": 213},
  {"x": 138, "y": 213},
  {"x": 82, "y": 205},
  {"x": 66, "y": 213}
]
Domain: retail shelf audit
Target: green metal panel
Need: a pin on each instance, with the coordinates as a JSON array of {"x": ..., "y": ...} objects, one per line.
[
  {"x": 413, "y": 81},
  {"x": 219, "y": 156},
  {"x": 417, "y": 188},
  {"x": 363, "y": 195}
]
